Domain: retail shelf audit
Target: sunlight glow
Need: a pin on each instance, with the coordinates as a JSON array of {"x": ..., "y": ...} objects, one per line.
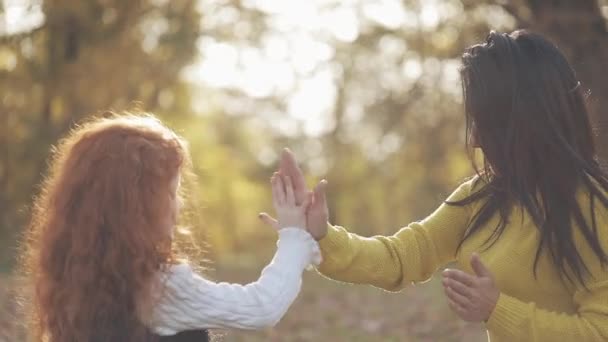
[
  {"x": 219, "y": 67},
  {"x": 389, "y": 13},
  {"x": 429, "y": 17},
  {"x": 307, "y": 53},
  {"x": 450, "y": 80},
  {"x": 343, "y": 24},
  {"x": 294, "y": 58},
  {"x": 20, "y": 16},
  {"x": 412, "y": 69},
  {"x": 312, "y": 101}
]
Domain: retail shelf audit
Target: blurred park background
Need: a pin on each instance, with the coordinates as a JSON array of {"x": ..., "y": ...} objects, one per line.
[{"x": 365, "y": 92}]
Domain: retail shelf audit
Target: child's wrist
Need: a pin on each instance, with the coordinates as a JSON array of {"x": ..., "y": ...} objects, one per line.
[{"x": 292, "y": 224}]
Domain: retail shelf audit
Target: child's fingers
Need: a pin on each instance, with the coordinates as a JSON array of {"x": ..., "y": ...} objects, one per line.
[
  {"x": 289, "y": 195},
  {"x": 269, "y": 220}
]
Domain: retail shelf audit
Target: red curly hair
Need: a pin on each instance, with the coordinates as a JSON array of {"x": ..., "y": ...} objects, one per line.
[{"x": 98, "y": 233}]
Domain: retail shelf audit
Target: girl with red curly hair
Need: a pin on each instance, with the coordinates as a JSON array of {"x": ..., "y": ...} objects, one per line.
[{"x": 100, "y": 253}]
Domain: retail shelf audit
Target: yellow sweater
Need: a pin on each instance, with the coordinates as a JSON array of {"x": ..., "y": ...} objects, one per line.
[{"x": 545, "y": 308}]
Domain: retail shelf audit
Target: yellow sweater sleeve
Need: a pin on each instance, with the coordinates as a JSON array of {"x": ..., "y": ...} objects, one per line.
[
  {"x": 516, "y": 320},
  {"x": 413, "y": 254}
]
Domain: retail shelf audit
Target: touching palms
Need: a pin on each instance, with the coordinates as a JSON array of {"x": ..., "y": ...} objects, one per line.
[{"x": 317, "y": 214}]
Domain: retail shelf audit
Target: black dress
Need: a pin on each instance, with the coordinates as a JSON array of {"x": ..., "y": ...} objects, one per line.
[
  {"x": 184, "y": 336},
  {"x": 187, "y": 336}
]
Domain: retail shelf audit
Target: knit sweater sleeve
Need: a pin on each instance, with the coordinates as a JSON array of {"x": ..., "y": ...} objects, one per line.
[
  {"x": 410, "y": 255},
  {"x": 190, "y": 302},
  {"x": 516, "y": 320}
]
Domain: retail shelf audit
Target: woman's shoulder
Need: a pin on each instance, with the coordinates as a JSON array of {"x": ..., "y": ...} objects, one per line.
[
  {"x": 593, "y": 200},
  {"x": 468, "y": 186},
  {"x": 595, "y": 212}
]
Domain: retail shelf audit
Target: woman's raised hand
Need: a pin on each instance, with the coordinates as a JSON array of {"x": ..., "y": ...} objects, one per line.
[
  {"x": 288, "y": 165},
  {"x": 317, "y": 213}
]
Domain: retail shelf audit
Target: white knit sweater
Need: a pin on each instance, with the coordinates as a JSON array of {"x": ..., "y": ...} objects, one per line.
[{"x": 190, "y": 302}]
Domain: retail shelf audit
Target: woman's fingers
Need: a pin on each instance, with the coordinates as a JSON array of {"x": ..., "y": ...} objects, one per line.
[
  {"x": 289, "y": 193},
  {"x": 458, "y": 287},
  {"x": 460, "y": 276},
  {"x": 457, "y": 308},
  {"x": 457, "y": 297},
  {"x": 307, "y": 200},
  {"x": 281, "y": 189},
  {"x": 320, "y": 202},
  {"x": 277, "y": 190},
  {"x": 289, "y": 166},
  {"x": 477, "y": 295}
]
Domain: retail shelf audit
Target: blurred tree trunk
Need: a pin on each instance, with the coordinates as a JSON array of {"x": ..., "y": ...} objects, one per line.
[
  {"x": 83, "y": 58},
  {"x": 579, "y": 30}
]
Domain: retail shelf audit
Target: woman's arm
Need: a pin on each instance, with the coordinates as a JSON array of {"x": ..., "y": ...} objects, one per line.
[
  {"x": 515, "y": 320},
  {"x": 413, "y": 254},
  {"x": 191, "y": 302}
]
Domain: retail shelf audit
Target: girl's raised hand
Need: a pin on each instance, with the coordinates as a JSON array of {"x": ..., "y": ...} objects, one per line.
[{"x": 289, "y": 214}]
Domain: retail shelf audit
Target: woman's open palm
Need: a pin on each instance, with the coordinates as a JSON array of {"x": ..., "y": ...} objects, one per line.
[{"x": 317, "y": 213}]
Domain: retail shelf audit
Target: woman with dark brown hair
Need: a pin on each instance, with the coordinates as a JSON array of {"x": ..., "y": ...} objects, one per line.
[
  {"x": 100, "y": 251},
  {"x": 529, "y": 233}
]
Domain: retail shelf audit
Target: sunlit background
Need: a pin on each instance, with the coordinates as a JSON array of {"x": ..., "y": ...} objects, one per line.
[{"x": 367, "y": 93}]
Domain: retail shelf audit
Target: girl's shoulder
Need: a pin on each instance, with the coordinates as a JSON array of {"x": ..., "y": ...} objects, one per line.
[
  {"x": 174, "y": 270},
  {"x": 180, "y": 267},
  {"x": 179, "y": 274},
  {"x": 184, "y": 271}
]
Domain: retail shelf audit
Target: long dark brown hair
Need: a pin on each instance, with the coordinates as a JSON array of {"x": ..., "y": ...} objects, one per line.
[
  {"x": 99, "y": 235},
  {"x": 526, "y": 110}
]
